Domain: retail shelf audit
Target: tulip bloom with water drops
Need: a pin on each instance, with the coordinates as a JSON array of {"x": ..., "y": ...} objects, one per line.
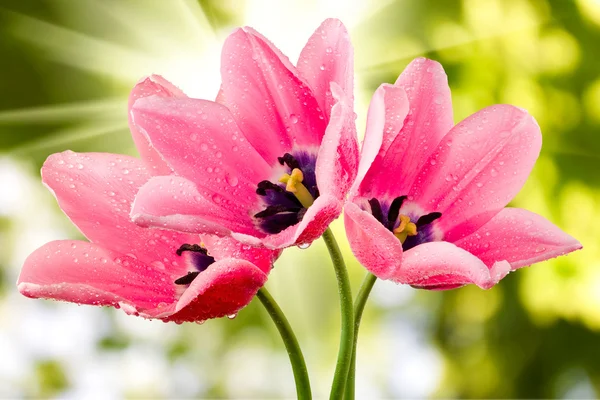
[
  {"x": 271, "y": 160},
  {"x": 152, "y": 273},
  {"x": 428, "y": 205}
]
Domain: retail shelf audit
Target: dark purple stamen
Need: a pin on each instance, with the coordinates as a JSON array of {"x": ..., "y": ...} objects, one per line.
[
  {"x": 263, "y": 186},
  {"x": 425, "y": 232},
  {"x": 276, "y": 209},
  {"x": 199, "y": 259},
  {"x": 187, "y": 279},
  {"x": 289, "y": 160},
  {"x": 394, "y": 210},
  {"x": 191, "y": 247},
  {"x": 281, "y": 209},
  {"x": 376, "y": 209},
  {"x": 427, "y": 219}
]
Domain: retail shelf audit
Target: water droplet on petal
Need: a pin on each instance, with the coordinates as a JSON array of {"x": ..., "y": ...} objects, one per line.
[
  {"x": 233, "y": 181},
  {"x": 293, "y": 118},
  {"x": 304, "y": 246},
  {"x": 232, "y": 316}
]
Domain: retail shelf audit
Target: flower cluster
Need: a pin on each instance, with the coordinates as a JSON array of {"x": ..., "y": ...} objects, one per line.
[{"x": 190, "y": 230}]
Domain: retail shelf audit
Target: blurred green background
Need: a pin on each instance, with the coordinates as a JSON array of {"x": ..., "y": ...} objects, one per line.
[{"x": 66, "y": 68}]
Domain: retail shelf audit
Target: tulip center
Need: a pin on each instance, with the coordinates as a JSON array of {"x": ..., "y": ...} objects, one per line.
[
  {"x": 285, "y": 202},
  {"x": 199, "y": 259},
  {"x": 410, "y": 227}
]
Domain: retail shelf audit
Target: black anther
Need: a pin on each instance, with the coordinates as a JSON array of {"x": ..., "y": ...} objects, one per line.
[
  {"x": 187, "y": 279},
  {"x": 376, "y": 209},
  {"x": 263, "y": 186},
  {"x": 276, "y": 209},
  {"x": 289, "y": 160},
  {"x": 395, "y": 208},
  {"x": 191, "y": 247},
  {"x": 428, "y": 218}
]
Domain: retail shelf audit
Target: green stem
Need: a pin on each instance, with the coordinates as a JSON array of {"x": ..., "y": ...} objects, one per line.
[
  {"x": 359, "y": 306},
  {"x": 347, "y": 334},
  {"x": 291, "y": 344}
]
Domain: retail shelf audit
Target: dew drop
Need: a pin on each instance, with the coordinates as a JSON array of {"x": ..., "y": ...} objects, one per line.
[
  {"x": 232, "y": 316},
  {"x": 304, "y": 246},
  {"x": 294, "y": 118},
  {"x": 233, "y": 181},
  {"x": 494, "y": 172}
]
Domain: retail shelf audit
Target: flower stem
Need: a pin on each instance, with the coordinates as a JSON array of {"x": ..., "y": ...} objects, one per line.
[
  {"x": 347, "y": 333},
  {"x": 359, "y": 306},
  {"x": 291, "y": 344}
]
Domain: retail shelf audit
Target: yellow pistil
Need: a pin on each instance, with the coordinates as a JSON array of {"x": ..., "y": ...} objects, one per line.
[
  {"x": 294, "y": 185},
  {"x": 405, "y": 229}
]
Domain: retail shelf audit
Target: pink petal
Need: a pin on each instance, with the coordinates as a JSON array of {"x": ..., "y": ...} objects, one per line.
[
  {"x": 442, "y": 265},
  {"x": 96, "y": 190},
  {"x": 337, "y": 159},
  {"x": 324, "y": 210},
  {"x": 520, "y": 237},
  {"x": 478, "y": 168},
  {"x": 87, "y": 273},
  {"x": 200, "y": 140},
  {"x": 372, "y": 244},
  {"x": 328, "y": 57},
  {"x": 408, "y": 142},
  {"x": 174, "y": 202},
  {"x": 223, "y": 289},
  {"x": 226, "y": 247},
  {"x": 274, "y": 108},
  {"x": 387, "y": 111},
  {"x": 151, "y": 86}
]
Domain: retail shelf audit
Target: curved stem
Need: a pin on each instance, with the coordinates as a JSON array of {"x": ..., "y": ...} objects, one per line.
[
  {"x": 359, "y": 306},
  {"x": 291, "y": 344},
  {"x": 347, "y": 333}
]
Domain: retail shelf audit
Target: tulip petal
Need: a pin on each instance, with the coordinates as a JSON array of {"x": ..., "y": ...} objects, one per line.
[
  {"x": 407, "y": 142},
  {"x": 479, "y": 166},
  {"x": 87, "y": 273},
  {"x": 328, "y": 57},
  {"x": 200, "y": 140},
  {"x": 337, "y": 159},
  {"x": 375, "y": 247},
  {"x": 273, "y": 106},
  {"x": 387, "y": 111},
  {"x": 442, "y": 265},
  {"x": 520, "y": 237},
  {"x": 154, "y": 85},
  {"x": 96, "y": 191},
  {"x": 174, "y": 202},
  {"x": 223, "y": 289}
]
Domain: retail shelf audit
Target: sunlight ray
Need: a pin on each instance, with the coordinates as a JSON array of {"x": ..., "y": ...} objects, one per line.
[
  {"x": 116, "y": 107},
  {"x": 449, "y": 43},
  {"x": 65, "y": 137},
  {"x": 192, "y": 13},
  {"x": 80, "y": 50}
]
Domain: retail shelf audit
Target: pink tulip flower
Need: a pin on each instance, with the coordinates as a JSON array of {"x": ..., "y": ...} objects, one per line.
[
  {"x": 271, "y": 160},
  {"x": 428, "y": 204},
  {"x": 153, "y": 273}
]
